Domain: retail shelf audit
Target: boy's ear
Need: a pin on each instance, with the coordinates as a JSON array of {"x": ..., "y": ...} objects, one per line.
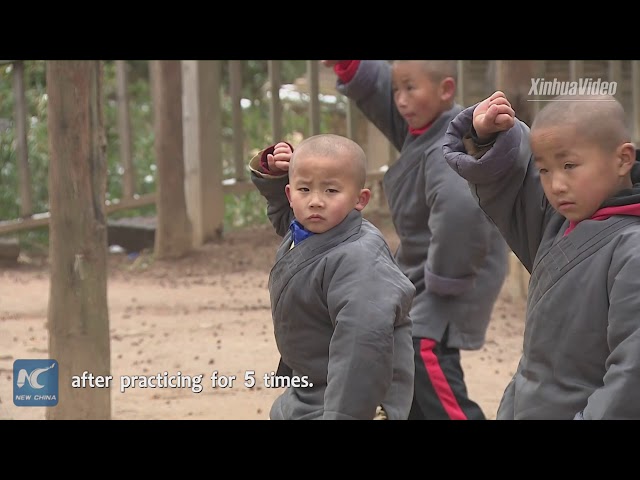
[
  {"x": 287, "y": 191},
  {"x": 447, "y": 89},
  {"x": 363, "y": 199},
  {"x": 627, "y": 157}
]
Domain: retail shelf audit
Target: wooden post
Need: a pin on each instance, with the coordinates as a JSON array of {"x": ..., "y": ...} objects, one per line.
[
  {"x": 539, "y": 71},
  {"x": 124, "y": 130},
  {"x": 235, "y": 91},
  {"x": 379, "y": 155},
  {"x": 275, "y": 82},
  {"x": 78, "y": 318},
  {"x": 353, "y": 118},
  {"x": 173, "y": 230},
  {"x": 22, "y": 149},
  {"x": 314, "y": 99},
  {"x": 460, "y": 98},
  {"x": 203, "y": 148},
  {"x": 576, "y": 70},
  {"x": 496, "y": 66},
  {"x": 614, "y": 73}
]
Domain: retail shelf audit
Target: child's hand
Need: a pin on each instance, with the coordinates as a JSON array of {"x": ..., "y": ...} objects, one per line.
[
  {"x": 279, "y": 160},
  {"x": 493, "y": 115}
]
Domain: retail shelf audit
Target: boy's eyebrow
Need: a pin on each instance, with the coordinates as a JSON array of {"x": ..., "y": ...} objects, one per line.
[
  {"x": 326, "y": 181},
  {"x": 563, "y": 154},
  {"x": 329, "y": 181},
  {"x": 540, "y": 164},
  {"x": 557, "y": 155}
]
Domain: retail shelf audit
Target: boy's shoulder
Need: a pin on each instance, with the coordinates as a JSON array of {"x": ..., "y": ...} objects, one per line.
[
  {"x": 629, "y": 237},
  {"x": 372, "y": 233},
  {"x": 369, "y": 240},
  {"x": 367, "y": 254},
  {"x": 358, "y": 238},
  {"x": 367, "y": 233}
]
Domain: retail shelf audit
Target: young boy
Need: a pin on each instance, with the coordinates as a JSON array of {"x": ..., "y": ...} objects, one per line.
[
  {"x": 448, "y": 249},
  {"x": 566, "y": 198},
  {"x": 340, "y": 305}
]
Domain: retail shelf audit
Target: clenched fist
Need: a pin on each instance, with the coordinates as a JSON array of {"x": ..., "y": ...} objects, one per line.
[
  {"x": 279, "y": 161},
  {"x": 493, "y": 115}
]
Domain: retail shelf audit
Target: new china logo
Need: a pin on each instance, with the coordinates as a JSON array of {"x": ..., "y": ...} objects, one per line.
[{"x": 35, "y": 383}]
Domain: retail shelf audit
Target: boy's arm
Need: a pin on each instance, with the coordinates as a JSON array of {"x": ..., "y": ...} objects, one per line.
[
  {"x": 504, "y": 182},
  {"x": 619, "y": 396},
  {"x": 367, "y": 297},
  {"x": 271, "y": 186},
  {"x": 368, "y": 83}
]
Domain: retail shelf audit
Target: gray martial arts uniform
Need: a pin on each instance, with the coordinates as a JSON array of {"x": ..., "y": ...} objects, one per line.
[
  {"x": 581, "y": 354},
  {"x": 448, "y": 248},
  {"x": 340, "y": 308}
]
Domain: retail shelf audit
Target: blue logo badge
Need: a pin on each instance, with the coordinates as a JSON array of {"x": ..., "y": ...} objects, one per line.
[{"x": 35, "y": 383}]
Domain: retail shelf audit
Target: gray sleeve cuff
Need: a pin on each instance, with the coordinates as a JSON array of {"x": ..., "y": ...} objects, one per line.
[{"x": 493, "y": 163}]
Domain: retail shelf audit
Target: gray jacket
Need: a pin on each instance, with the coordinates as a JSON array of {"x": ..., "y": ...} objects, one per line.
[
  {"x": 340, "y": 308},
  {"x": 581, "y": 349},
  {"x": 448, "y": 248}
]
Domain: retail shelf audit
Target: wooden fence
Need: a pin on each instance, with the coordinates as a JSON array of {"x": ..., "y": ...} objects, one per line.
[{"x": 202, "y": 113}]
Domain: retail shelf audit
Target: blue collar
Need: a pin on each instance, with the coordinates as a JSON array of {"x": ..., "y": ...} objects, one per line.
[{"x": 298, "y": 232}]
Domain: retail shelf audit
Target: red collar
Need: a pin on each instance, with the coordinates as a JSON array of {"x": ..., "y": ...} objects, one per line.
[
  {"x": 421, "y": 130},
  {"x": 604, "y": 213}
]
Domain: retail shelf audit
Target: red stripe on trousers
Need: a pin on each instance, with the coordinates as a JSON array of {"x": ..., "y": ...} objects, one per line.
[{"x": 439, "y": 380}]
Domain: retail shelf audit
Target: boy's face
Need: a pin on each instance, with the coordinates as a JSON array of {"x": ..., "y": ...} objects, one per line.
[
  {"x": 576, "y": 175},
  {"x": 322, "y": 191},
  {"x": 418, "y": 98}
]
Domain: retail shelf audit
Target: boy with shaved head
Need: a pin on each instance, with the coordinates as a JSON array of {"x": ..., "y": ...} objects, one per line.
[
  {"x": 566, "y": 197},
  {"x": 340, "y": 304},
  {"x": 449, "y": 250}
]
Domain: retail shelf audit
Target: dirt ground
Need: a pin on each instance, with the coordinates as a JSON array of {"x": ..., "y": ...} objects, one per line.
[{"x": 208, "y": 312}]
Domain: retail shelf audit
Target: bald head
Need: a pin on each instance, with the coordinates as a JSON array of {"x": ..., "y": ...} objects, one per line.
[
  {"x": 437, "y": 70},
  {"x": 599, "y": 119},
  {"x": 333, "y": 146}
]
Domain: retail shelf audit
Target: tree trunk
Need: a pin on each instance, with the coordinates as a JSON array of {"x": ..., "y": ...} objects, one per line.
[
  {"x": 173, "y": 230},
  {"x": 78, "y": 317}
]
